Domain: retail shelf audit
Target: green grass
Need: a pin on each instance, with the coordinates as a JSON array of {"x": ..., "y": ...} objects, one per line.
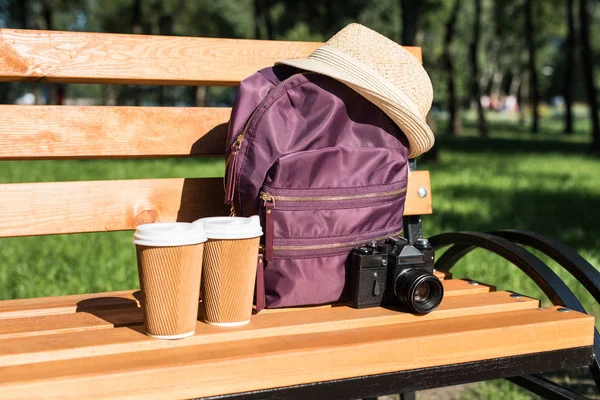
[
  {"x": 548, "y": 186},
  {"x": 512, "y": 180}
]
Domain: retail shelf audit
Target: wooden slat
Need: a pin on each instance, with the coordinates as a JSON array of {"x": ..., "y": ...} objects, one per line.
[
  {"x": 451, "y": 307},
  {"x": 443, "y": 275},
  {"x": 67, "y": 304},
  {"x": 78, "y": 57},
  {"x": 97, "y": 206},
  {"x": 70, "y": 322},
  {"x": 459, "y": 287},
  {"x": 415, "y": 204},
  {"x": 92, "y": 316},
  {"x": 43, "y": 306},
  {"x": 50, "y": 132},
  {"x": 178, "y": 370},
  {"x": 83, "y": 334}
]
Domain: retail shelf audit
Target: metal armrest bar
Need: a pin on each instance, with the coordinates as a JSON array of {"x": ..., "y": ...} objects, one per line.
[
  {"x": 543, "y": 387},
  {"x": 537, "y": 270},
  {"x": 566, "y": 257}
]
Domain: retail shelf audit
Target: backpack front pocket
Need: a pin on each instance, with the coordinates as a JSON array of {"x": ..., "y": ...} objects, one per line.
[{"x": 311, "y": 227}]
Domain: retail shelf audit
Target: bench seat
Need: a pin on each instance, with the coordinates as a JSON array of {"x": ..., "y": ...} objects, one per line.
[{"x": 93, "y": 346}]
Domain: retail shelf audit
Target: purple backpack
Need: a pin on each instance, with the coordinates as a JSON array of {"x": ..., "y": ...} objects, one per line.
[{"x": 324, "y": 168}]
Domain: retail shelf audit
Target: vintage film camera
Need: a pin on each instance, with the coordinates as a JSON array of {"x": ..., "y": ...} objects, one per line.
[{"x": 395, "y": 273}]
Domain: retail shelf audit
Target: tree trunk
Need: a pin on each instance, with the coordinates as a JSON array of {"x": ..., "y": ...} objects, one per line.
[
  {"x": 533, "y": 91},
  {"x": 454, "y": 125},
  {"x": 136, "y": 28},
  {"x": 47, "y": 12},
  {"x": 569, "y": 58},
  {"x": 22, "y": 13},
  {"x": 268, "y": 19},
  {"x": 587, "y": 59},
  {"x": 257, "y": 15},
  {"x": 520, "y": 96},
  {"x": 200, "y": 96},
  {"x": 475, "y": 89},
  {"x": 262, "y": 14},
  {"x": 137, "y": 17},
  {"x": 411, "y": 15},
  {"x": 111, "y": 94}
]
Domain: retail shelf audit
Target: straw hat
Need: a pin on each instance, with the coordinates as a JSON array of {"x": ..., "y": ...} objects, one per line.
[{"x": 384, "y": 73}]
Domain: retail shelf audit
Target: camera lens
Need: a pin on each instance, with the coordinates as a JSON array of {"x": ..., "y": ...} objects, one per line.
[{"x": 420, "y": 291}]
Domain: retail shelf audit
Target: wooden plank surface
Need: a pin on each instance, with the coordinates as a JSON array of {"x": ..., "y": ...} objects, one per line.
[
  {"x": 97, "y": 206},
  {"x": 50, "y": 132},
  {"x": 67, "y": 304},
  {"x": 78, "y": 57},
  {"x": 459, "y": 287},
  {"x": 83, "y": 317},
  {"x": 177, "y": 370},
  {"x": 415, "y": 204},
  {"x": 43, "y": 306},
  {"x": 34, "y": 339},
  {"x": 75, "y": 336},
  {"x": 344, "y": 317}
]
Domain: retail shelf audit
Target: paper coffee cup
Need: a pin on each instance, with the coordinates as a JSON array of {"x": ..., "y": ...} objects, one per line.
[
  {"x": 169, "y": 257},
  {"x": 229, "y": 272}
]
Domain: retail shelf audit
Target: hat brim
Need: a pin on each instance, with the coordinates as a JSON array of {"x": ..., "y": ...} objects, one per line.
[{"x": 377, "y": 90}]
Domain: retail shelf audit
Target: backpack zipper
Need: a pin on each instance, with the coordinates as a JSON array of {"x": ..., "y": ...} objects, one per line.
[
  {"x": 334, "y": 245},
  {"x": 269, "y": 205},
  {"x": 231, "y": 163},
  {"x": 266, "y": 197}
]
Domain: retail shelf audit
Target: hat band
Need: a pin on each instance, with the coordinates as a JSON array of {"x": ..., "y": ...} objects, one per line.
[{"x": 363, "y": 75}]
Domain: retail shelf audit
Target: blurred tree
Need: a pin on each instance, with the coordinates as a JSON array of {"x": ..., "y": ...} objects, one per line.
[
  {"x": 44, "y": 18},
  {"x": 47, "y": 11},
  {"x": 454, "y": 125},
  {"x": 136, "y": 27},
  {"x": 22, "y": 12},
  {"x": 223, "y": 18},
  {"x": 475, "y": 88},
  {"x": 411, "y": 18},
  {"x": 588, "y": 74},
  {"x": 137, "y": 17},
  {"x": 14, "y": 14},
  {"x": 162, "y": 20},
  {"x": 263, "y": 20},
  {"x": 569, "y": 62},
  {"x": 534, "y": 95}
]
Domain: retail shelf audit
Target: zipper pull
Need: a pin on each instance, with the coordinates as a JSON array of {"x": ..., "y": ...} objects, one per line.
[
  {"x": 259, "y": 295},
  {"x": 269, "y": 204},
  {"x": 238, "y": 141},
  {"x": 267, "y": 198},
  {"x": 230, "y": 168}
]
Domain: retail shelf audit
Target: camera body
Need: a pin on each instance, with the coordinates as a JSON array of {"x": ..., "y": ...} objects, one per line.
[{"x": 395, "y": 273}]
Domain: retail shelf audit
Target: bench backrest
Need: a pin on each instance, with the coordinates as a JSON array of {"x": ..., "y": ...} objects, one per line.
[{"x": 103, "y": 132}]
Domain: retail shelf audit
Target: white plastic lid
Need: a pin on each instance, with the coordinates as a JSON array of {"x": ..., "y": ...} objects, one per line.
[
  {"x": 231, "y": 227},
  {"x": 169, "y": 234}
]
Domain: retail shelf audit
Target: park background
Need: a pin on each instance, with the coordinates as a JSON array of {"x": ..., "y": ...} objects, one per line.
[{"x": 515, "y": 114}]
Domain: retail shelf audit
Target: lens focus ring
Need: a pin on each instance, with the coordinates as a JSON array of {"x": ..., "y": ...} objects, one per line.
[{"x": 418, "y": 290}]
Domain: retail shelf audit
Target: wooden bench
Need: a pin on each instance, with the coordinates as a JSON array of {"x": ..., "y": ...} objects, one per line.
[{"x": 93, "y": 346}]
